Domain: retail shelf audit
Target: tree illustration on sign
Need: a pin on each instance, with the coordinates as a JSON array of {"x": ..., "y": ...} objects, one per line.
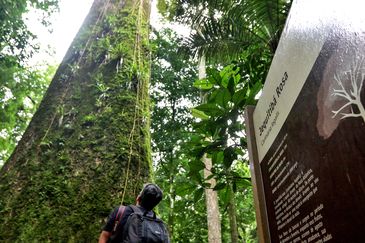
[{"x": 350, "y": 92}]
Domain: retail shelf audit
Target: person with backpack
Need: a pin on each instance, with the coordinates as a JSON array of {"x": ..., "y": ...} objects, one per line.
[{"x": 137, "y": 223}]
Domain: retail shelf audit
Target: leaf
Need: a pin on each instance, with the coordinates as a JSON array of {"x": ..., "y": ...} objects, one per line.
[
  {"x": 206, "y": 107},
  {"x": 198, "y": 194},
  {"x": 212, "y": 96},
  {"x": 243, "y": 183},
  {"x": 184, "y": 189},
  {"x": 223, "y": 97},
  {"x": 231, "y": 86},
  {"x": 218, "y": 157},
  {"x": 239, "y": 151},
  {"x": 207, "y": 184},
  {"x": 239, "y": 97},
  {"x": 210, "y": 109},
  {"x": 195, "y": 139},
  {"x": 252, "y": 93},
  {"x": 214, "y": 76},
  {"x": 229, "y": 157},
  {"x": 237, "y": 78},
  {"x": 203, "y": 84},
  {"x": 225, "y": 196},
  {"x": 227, "y": 73},
  {"x": 196, "y": 165},
  {"x": 243, "y": 142},
  {"x": 219, "y": 186},
  {"x": 199, "y": 114}
]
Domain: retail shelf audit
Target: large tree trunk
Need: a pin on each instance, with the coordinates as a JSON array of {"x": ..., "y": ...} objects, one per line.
[
  {"x": 211, "y": 197},
  {"x": 87, "y": 148}
]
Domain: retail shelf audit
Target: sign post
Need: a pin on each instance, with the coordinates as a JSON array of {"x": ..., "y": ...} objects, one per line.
[
  {"x": 256, "y": 178},
  {"x": 307, "y": 132}
]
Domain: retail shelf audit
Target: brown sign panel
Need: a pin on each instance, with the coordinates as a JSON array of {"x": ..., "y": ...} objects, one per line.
[{"x": 307, "y": 132}]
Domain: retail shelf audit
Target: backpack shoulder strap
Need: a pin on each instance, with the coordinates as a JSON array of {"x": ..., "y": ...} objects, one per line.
[
  {"x": 136, "y": 209},
  {"x": 119, "y": 215},
  {"x": 125, "y": 231}
]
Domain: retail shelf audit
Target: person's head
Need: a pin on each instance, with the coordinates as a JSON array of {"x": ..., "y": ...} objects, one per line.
[{"x": 150, "y": 196}]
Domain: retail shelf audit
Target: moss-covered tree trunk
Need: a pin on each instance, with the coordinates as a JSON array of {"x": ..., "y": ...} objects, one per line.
[{"x": 87, "y": 147}]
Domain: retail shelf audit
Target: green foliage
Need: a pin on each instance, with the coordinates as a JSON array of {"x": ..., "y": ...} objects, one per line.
[
  {"x": 15, "y": 38},
  {"x": 20, "y": 95},
  {"x": 178, "y": 148},
  {"x": 220, "y": 136},
  {"x": 189, "y": 211},
  {"x": 172, "y": 93},
  {"x": 219, "y": 133},
  {"x": 22, "y": 87},
  {"x": 225, "y": 29}
]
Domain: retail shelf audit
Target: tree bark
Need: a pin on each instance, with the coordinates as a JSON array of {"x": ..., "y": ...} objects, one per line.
[
  {"x": 232, "y": 216},
  {"x": 211, "y": 197},
  {"x": 87, "y": 148},
  {"x": 172, "y": 197}
]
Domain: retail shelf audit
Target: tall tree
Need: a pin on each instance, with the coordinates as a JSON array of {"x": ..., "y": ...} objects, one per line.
[{"x": 87, "y": 147}]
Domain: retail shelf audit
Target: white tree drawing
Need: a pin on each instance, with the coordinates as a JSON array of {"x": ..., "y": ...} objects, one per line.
[{"x": 351, "y": 92}]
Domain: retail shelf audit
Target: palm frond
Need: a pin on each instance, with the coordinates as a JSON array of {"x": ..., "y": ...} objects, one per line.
[
  {"x": 224, "y": 28},
  {"x": 221, "y": 40}
]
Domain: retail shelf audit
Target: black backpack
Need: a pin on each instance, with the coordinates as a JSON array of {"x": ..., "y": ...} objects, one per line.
[{"x": 144, "y": 228}]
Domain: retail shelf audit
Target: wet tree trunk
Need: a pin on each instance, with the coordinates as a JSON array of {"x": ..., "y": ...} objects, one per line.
[{"x": 87, "y": 148}]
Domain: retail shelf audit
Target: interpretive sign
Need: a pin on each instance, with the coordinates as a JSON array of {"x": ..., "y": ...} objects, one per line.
[{"x": 307, "y": 132}]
